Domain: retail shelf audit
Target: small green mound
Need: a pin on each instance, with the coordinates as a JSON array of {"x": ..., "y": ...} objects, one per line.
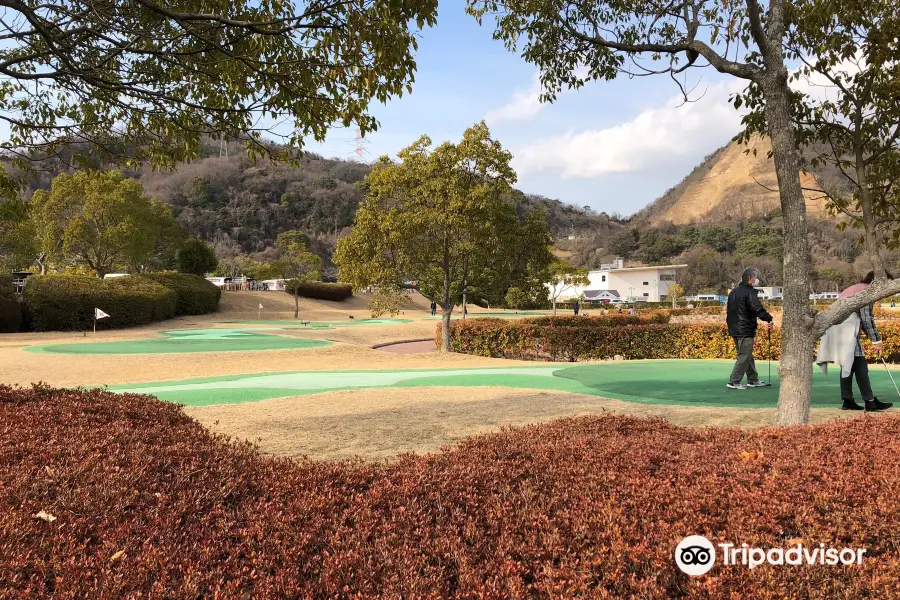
[
  {"x": 189, "y": 340},
  {"x": 323, "y": 324}
]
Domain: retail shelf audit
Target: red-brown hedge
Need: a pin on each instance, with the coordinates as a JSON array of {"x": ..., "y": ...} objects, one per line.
[
  {"x": 577, "y": 340},
  {"x": 148, "y": 504}
]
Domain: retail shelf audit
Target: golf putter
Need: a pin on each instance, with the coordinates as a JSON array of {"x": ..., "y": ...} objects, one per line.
[
  {"x": 884, "y": 362},
  {"x": 769, "y": 380}
]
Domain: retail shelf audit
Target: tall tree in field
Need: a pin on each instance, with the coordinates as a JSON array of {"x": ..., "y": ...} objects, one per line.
[
  {"x": 440, "y": 222},
  {"x": 565, "y": 278},
  {"x": 17, "y": 245},
  {"x": 297, "y": 264},
  {"x": 197, "y": 257},
  {"x": 100, "y": 220},
  {"x": 574, "y": 41},
  {"x": 129, "y": 80}
]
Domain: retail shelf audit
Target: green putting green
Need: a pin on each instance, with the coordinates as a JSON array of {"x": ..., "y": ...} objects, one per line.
[
  {"x": 323, "y": 324},
  {"x": 188, "y": 340},
  {"x": 683, "y": 382}
]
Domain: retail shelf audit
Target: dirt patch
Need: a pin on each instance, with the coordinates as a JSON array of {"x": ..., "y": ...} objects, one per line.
[{"x": 378, "y": 424}]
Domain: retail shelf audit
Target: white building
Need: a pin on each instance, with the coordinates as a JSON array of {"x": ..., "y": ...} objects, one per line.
[{"x": 649, "y": 284}]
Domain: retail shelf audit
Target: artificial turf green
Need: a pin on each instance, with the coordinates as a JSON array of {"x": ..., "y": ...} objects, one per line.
[
  {"x": 323, "y": 324},
  {"x": 680, "y": 382},
  {"x": 191, "y": 340}
]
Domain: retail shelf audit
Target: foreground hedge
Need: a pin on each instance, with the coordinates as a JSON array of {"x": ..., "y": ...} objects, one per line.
[
  {"x": 67, "y": 302},
  {"x": 320, "y": 290},
  {"x": 531, "y": 340},
  {"x": 194, "y": 295},
  {"x": 149, "y": 504}
]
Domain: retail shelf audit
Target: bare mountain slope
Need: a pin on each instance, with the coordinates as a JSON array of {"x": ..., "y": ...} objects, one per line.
[{"x": 730, "y": 184}]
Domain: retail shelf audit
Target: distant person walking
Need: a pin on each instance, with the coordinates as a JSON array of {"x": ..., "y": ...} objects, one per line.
[
  {"x": 576, "y": 308},
  {"x": 433, "y": 308},
  {"x": 744, "y": 308}
]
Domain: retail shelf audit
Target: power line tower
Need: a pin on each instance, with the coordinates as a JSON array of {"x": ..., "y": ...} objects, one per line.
[
  {"x": 360, "y": 144},
  {"x": 223, "y": 147}
]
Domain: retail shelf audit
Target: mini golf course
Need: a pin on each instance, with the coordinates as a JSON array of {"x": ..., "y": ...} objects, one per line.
[
  {"x": 188, "y": 340},
  {"x": 682, "y": 382}
]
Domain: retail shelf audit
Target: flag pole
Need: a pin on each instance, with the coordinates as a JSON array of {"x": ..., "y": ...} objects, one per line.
[{"x": 95, "y": 326}]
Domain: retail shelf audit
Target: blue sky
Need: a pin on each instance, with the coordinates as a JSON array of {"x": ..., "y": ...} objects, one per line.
[{"x": 614, "y": 146}]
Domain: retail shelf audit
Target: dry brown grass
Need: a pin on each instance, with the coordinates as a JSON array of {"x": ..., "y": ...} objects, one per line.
[{"x": 381, "y": 423}]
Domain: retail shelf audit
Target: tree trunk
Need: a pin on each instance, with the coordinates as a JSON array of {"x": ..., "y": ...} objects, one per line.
[
  {"x": 554, "y": 306},
  {"x": 865, "y": 202},
  {"x": 296, "y": 302},
  {"x": 797, "y": 341},
  {"x": 447, "y": 310},
  {"x": 445, "y": 328}
]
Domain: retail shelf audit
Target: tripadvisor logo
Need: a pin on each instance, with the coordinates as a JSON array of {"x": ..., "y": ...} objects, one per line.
[{"x": 696, "y": 555}]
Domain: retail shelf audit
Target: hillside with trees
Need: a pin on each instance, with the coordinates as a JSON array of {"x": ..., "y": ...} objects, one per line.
[{"x": 240, "y": 207}]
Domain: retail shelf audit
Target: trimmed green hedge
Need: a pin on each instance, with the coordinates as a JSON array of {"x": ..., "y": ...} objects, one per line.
[
  {"x": 67, "y": 302},
  {"x": 10, "y": 316},
  {"x": 320, "y": 290},
  {"x": 194, "y": 295},
  {"x": 531, "y": 340}
]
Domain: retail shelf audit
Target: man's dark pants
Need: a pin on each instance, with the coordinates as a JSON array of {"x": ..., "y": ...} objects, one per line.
[
  {"x": 861, "y": 370},
  {"x": 745, "y": 362}
]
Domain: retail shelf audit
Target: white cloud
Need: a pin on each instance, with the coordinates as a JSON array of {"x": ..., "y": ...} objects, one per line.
[
  {"x": 525, "y": 104},
  {"x": 651, "y": 139}
]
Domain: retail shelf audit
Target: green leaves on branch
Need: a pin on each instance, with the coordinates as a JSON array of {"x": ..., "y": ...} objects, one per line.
[{"x": 132, "y": 80}]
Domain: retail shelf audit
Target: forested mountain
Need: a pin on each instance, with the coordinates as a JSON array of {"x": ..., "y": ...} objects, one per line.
[{"x": 240, "y": 207}]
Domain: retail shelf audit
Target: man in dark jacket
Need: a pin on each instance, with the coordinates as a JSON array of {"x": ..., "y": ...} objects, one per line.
[{"x": 744, "y": 308}]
